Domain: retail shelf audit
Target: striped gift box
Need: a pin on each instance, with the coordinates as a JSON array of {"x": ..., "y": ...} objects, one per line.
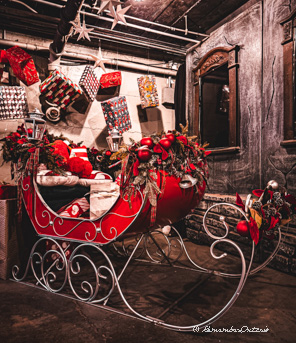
[
  {"x": 75, "y": 209},
  {"x": 59, "y": 89},
  {"x": 79, "y": 152}
]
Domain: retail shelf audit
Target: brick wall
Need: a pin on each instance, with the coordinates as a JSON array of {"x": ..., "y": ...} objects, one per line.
[{"x": 285, "y": 260}]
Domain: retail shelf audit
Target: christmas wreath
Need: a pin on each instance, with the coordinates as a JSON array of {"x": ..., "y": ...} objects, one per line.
[{"x": 271, "y": 208}]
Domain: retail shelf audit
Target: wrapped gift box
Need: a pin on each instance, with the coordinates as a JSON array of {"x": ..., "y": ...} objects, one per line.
[
  {"x": 22, "y": 65},
  {"x": 116, "y": 114},
  {"x": 59, "y": 89},
  {"x": 9, "y": 254},
  {"x": 110, "y": 79},
  {"x": 13, "y": 102},
  {"x": 89, "y": 83},
  {"x": 148, "y": 91}
]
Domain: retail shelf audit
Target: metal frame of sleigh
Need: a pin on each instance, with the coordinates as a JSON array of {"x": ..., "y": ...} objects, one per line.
[{"x": 112, "y": 229}]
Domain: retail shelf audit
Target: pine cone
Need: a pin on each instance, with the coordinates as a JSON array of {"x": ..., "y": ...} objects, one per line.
[{"x": 257, "y": 205}]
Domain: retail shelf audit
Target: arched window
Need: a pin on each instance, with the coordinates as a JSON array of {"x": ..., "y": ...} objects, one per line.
[{"x": 216, "y": 105}]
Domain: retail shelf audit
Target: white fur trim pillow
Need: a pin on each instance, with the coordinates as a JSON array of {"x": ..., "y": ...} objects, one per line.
[{"x": 49, "y": 179}]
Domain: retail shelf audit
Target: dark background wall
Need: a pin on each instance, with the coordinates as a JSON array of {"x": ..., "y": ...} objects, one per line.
[{"x": 256, "y": 28}]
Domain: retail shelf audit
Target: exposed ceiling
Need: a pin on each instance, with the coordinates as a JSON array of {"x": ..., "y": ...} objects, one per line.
[{"x": 155, "y": 27}]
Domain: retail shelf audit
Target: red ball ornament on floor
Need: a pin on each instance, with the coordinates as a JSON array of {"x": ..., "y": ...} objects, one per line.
[
  {"x": 242, "y": 228},
  {"x": 165, "y": 143},
  {"x": 108, "y": 153},
  {"x": 144, "y": 155},
  {"x": 171, "y": 137},
  {"x": 147, "y": 141}
]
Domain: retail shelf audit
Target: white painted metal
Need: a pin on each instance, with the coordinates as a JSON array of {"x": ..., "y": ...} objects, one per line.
[{"x": 79, "y": 55}]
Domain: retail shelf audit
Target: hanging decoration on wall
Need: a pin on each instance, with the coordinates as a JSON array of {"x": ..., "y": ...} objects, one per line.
[
  {"x": 110, "y": 4},
  {"x": 99, "y": 60},
  {"x": 117, "y": 14},
  {"x": 148, "y": 91},
  {"x": 13, "y": 102},
  {"x": 116, "y": 114},
  {"x": 89, "y": 83},
  {"x": 59, "y": 89},
  {"x": 81, "y": 29},
  {"x": 22, "y": 65},
  {"x": 120, "y": 12},
  {"x": 111, "y": 79}
]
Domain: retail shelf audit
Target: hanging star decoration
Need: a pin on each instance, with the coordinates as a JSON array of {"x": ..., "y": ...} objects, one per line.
[
  {"x": 99, "y": 60},
  {"x": 110, "y": 4},
  {"x": 82, "y": 30},
  {"x": 120, "y": 12}
]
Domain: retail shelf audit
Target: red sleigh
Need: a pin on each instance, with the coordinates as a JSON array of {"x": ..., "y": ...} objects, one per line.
[
  {"x": 117, "y": 225},
  {"x": 122, "y": 219}
]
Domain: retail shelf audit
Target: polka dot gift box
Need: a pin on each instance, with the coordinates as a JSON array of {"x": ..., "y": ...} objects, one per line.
[
  {"x": 116, "y": 114},
  {"x": 89, "y": 83},
  {"x": 13, "y": 102}
]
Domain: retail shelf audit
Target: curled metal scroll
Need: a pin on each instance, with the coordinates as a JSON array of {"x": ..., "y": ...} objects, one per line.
[
  {"x": 76, "y": 262},
  {"x": 47, "y": 274},
  {"x": 222, "y": 219}
]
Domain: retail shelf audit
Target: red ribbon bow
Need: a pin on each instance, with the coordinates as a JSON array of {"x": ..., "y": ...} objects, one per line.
[{"x": 160, "y": 150}]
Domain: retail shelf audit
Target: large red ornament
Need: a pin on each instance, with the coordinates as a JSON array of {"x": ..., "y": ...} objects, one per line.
[
  {"x": 147, "y": 141},
  {"x": 144, "y": 155},
  {"x": 108, "y": 153},
  {"x": 243, "y": 228},
  {"x": 171, "y": 137},
  {"x": 165, "y": 142}
]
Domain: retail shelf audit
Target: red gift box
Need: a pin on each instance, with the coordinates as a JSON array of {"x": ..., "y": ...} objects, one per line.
[
  {"x": 110, "y": 79},
  {"x": 22, "y": 65},
  {"x": 3, "y": 56},
  {"x": 7, "y": 191}
]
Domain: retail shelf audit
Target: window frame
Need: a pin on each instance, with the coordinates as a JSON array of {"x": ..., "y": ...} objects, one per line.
[
  {"x": 213, "y": 59},
  {"x": 288, "y": 43}
]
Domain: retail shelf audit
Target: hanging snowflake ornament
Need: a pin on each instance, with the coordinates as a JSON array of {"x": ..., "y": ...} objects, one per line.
[
  {"x": 110, "y": 4},
  {"x": 120, "y": 12},
  {"x": 99, "y": 60}
]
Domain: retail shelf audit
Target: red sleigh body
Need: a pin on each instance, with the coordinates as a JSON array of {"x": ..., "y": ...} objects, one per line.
[{"x": 122, "y": 219}]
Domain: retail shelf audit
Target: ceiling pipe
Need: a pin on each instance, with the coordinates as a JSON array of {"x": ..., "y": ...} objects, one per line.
[
  {"x": 146, "y": 29},
  {"x": 134, "y": 42},
  {"x": 155, "y": 23},
  {"x": 84, "y": 56},
  {"x": 68, "y": 13}
]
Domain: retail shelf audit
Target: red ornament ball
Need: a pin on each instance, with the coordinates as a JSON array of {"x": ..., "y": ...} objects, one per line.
[
  {"x": 147, "y": 141},
  {"x": 108, "y": 153},
  {"x": 242, "y": 228},
  {"x": 144, "y": 155},
  {"x": 165, "y": 143},
  {"x": 171, "y": 137}
]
